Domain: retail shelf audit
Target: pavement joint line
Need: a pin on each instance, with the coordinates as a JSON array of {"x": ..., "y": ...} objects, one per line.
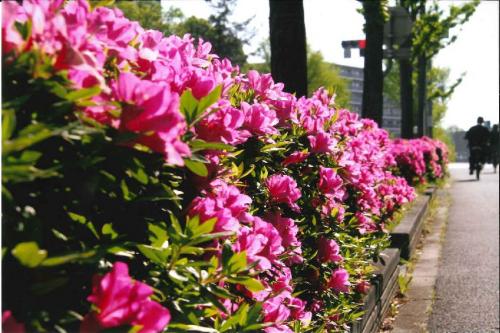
[{"x": 414, "y": 314}]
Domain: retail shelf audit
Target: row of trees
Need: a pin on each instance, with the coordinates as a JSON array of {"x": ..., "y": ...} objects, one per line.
[
  {"x": 431, "y": 31},
  {"x": 228, "y": 38},
  {"x": 420, "y": 88}
]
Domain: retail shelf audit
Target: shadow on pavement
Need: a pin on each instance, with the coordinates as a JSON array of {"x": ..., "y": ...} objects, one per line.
[{"x": 466, "y": 180}]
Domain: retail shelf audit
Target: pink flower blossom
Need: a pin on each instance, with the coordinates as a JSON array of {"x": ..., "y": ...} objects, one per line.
[
  {"x": 283, "y": 189},
  {"x": 152, "y": 110},
  {"x": 295, "y": 157},
  {"x": 363, "y": 287},
  {"x": 10, "y": 324},
  {"x": 275, "y": 309},
  {"x": 259, "y": 119},
  {"x": 123, "y": 301},
  {"x": 328, "y": 250},
  {"x": 298, "y": 311},
  {"x": 261, "y": 242},
  {"x": 11, "y": 38},
  {"x": 331, "y": 183},
  {"x": 224, "y": 202},
  {"x": 224, "y": 125},
  {"x": 322, "y": 142},
  {"x": 339, "y": 281},
  {"x": 288, "y": 231}
]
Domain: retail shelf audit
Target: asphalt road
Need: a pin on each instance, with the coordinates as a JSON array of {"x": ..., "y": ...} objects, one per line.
[{"x": 467, "y": 288}]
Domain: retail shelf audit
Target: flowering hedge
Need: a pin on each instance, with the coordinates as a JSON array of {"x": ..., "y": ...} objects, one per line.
[
  {"x": 150, "y": 186},
  {"x": 421, "y": 160}
]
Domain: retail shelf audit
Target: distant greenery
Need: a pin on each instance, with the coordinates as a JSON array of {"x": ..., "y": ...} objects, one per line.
[{"x": 227, "y": 37}]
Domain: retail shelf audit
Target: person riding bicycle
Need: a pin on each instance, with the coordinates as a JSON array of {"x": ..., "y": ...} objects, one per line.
[
  {"x": 494, "y": 147},
  {"x": 478, "y": 138}
]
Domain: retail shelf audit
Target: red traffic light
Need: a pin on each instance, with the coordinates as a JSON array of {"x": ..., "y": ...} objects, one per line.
[{"x": 362, "y": 43}]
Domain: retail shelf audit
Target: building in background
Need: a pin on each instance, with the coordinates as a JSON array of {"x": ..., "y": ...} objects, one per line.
[
  {"x": 461, "y": 149},
  {"x": 391, "y": 118}
]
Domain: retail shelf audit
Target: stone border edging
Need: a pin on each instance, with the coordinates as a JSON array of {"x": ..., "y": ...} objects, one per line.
[
  {"x": 381, "y": 293},
  {"x": 404, "y": 239},
  {"x": 406, "y": 234}
]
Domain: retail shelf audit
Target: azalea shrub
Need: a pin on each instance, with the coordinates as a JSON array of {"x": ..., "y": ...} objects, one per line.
[
  {"x": 149, "y": 186},
  {"x": 420, "y": 161}
]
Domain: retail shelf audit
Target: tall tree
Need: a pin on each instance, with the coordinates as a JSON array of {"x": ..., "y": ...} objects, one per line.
[
  {"x": 288, "y": 45},
  {"x": 375, "y": 15},
  {"x": 430, "y": 34},
  {"x": 228, "y": 37}
]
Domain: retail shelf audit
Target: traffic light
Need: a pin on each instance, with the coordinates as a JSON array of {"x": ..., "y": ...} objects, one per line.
[{"x": 354, "y": 44}]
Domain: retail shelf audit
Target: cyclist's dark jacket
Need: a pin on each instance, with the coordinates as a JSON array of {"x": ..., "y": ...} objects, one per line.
[{"x": 477, "y": 136}]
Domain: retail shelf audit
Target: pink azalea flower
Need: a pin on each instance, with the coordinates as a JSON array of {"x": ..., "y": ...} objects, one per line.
[
  {"x": 362, "y": 287},
  {"x": 283, "y": 189},
  {"x": 288, "y": 231},
  {"x": 322, "y": 143},
  {"x": 123, "y": 301},
  {"x": 365, "y": 224},
  {"x": 328, "y": 250},
  {"x": 298, "y": 311},
  {"x": 10, "y": 324},
  {"x": 152, "y": 110},
  {"x": 339, "y": 281},
  {"x": 331, "y": 183},
  {"x": 275, "y": 310},
  {"x": 224, "y": 202},
  {"x": 259, "y": 119},
  {"x": 295, "y": 157},
  {"x": 11, "y": 38},
  {"x": 223, "y": 125},
  {"x": 261, "y": 242}
]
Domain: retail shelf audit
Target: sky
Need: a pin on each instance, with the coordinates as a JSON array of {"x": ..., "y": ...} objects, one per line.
[{"x": 328, "y": 23}]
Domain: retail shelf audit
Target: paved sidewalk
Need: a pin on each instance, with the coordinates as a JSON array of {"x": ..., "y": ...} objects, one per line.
[
  {"x": 467, "y": 289},
  {"x": 413, "y": 315}
]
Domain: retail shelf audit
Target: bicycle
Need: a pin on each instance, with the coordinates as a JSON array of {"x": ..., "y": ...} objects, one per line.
[{"x": 476, "y": 160}]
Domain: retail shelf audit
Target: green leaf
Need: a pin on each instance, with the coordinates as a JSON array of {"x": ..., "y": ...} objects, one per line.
[
  {"x": 107, "y": 229},
  {"x": 27, "y": 137},
  {"x": 154, "y": 254},
  {"x": 46, "y": 287},
  {"x": 71, "y": 257},
  {"x": 251, "y": 284},
  {"x": 29, "y": 254},
  {"x": 8, "y": 123},
  {"x": 158, "y": 235},
  {"x": 83, "y": 93},
  {"x": 210, "y": 99},
  {"x": 188, "y": 106},
  {"x": 237, "y": 262},
  {"x": 192, "y": 328},
  {"x": 197, "y": 145},
  {"x": 196, "y": 167},
  {"x": 205, "y": 227}
]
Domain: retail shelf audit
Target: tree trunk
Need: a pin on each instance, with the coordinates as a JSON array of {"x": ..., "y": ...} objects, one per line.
[
  {"x": 422, "y": 95},
  {"x": 373, "y": 76},
  {"x": 406, "y": 89},
  {"x": 288, "y": 45}
]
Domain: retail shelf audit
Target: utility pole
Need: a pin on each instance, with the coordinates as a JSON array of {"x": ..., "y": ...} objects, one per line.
[{"x": 288, "y": 45}]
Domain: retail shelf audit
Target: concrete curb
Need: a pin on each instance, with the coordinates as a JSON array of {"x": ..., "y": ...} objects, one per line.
[
  {"x": 406, "y": 234},
  {"x": 404, "y": 239},
  {"x": 382, "y": 292}
]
